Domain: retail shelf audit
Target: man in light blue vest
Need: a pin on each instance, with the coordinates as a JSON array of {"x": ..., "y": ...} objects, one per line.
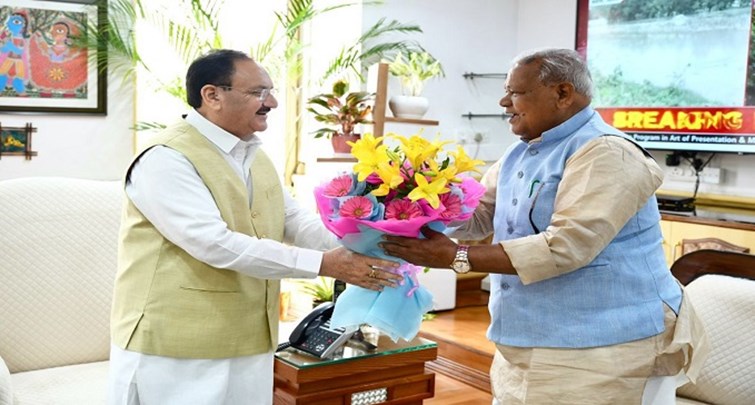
[
  {"x": 206, "y": 235},
  {"x": 583, "y": 307}
]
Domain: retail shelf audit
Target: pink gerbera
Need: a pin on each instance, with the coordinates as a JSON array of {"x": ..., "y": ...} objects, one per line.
[
  {"x": 452, "y": 203},
  {"x": 402, "y": 210},
  {"x": 339, "y": 187},
  {"x": 356, "y": 207}
]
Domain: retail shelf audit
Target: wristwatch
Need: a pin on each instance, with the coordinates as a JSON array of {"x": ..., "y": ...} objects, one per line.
[{"x": 461, "y": 261}]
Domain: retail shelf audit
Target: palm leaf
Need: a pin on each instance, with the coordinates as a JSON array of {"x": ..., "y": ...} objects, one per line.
[
  {"x": 112, "y": 39},
  {"x": 353, "y": 56}
]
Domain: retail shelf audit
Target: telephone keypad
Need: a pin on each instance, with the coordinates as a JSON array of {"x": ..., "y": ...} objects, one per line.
[{"x": 321, "y": 338}]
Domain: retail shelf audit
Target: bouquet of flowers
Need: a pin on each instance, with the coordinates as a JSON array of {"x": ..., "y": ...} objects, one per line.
[{"x": 395, "y": 190}]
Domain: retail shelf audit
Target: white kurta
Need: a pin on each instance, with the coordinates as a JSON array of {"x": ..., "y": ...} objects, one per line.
[{"x": 168, "y": 191}]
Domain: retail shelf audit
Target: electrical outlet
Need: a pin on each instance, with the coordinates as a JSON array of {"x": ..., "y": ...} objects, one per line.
[
  {"x": 677, "y": 173},
  {"x": 709, "y": 175},
  {"x": 462, "y": 138},
  {"x": 480, "y": 137}
]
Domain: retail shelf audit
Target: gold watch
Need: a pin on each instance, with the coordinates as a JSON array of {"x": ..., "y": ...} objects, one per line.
[{"x": 461, "y": 263}]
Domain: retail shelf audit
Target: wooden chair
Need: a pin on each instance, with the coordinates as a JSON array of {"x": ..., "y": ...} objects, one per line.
[
  {"x": 713, "y": 261},
  {"x": 691, "y": 245}
]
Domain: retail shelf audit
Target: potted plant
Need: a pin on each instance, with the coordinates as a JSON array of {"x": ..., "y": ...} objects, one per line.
[
  {"x": 342, "y": 112},
  {"x": 412, "y": 69},
  {"x": 320, "y": 289}
]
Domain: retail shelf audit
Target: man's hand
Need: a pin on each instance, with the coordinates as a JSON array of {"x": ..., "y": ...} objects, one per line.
[
  {"x": 436, "y": 250},
  {"x": 365, "y": 271}
]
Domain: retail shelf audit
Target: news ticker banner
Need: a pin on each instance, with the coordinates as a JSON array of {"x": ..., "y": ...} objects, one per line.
[{"x": 718, "y": 125}]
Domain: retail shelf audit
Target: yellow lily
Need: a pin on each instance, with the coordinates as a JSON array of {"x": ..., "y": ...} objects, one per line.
[
  {"x": 449, "y": 173},
  {"x": 428, "y": 191},
  {"x": 419, "y": 150},
  {"x": 464, "y": 163},
  {"x": 391, "y": 177},
  {"x": 370, "y": 153}
]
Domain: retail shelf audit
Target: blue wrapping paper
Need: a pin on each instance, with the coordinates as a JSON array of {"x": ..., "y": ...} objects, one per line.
[{"x": 397, "y": 312}]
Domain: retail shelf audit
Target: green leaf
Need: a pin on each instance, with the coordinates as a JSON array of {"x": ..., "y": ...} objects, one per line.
[
  {"x": 320, "y": 288},
  {"x": 353, "y": 55}
]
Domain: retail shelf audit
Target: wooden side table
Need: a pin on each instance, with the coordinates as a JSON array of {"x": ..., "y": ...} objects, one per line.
[{"x": 392, "y": 374}]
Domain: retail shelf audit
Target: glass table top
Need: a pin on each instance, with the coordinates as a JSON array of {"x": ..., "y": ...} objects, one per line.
[{"x": 354, "y": 350}]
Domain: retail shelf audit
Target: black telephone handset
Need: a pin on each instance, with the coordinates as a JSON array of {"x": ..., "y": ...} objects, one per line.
[{"x": 314, "y": 335}]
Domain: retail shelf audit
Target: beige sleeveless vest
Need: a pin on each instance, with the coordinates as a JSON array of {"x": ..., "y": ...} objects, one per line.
[{"x": 166, "y": 302}]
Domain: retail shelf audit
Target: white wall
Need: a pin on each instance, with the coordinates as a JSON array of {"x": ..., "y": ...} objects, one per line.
[
  {"x": 71, "y": 145},
  {"x": 546, "y": 23},
  {"x": 474, "y": 36}
]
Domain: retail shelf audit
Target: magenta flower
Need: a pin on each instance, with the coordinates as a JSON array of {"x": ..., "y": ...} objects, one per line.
[
  {"x": 373, "y": 179},
  {"x": 402, "y": 210},
  {"x": 356, "y": 207},
  {"x": 339, "y": 186},
  {"x": 453, "y": 206}
]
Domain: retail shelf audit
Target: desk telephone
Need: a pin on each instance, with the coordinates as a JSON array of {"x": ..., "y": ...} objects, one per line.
[{"x": 314, "y": 335}]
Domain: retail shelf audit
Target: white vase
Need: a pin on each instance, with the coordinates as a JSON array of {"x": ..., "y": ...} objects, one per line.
[{"x": 408, "y": 106}]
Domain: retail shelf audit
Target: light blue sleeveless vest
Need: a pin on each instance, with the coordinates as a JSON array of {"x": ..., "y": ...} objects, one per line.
[{"x": 616, "y": 298}]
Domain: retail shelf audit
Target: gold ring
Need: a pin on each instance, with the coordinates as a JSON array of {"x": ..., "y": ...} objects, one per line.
[{"x": 372, "y": 274}]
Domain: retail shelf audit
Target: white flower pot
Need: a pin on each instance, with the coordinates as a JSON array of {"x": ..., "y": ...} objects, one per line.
[{"x": 408, "y": 106}]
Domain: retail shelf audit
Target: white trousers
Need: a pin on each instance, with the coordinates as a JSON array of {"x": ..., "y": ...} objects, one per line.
[
  {"x": 658, "y": 391},
  {"x": 142, "y": 379}
]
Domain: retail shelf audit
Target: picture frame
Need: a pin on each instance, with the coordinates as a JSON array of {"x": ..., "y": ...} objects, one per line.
[
  {"x": 16, "y": 141},
  {"x": 41, "y": 68}
]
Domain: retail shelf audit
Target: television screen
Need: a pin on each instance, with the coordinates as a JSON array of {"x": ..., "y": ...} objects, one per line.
[{"x": 674, "y": 75}]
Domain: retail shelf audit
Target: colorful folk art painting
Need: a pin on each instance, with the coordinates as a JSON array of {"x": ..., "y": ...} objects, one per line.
[{"x": 38, "y": 58}]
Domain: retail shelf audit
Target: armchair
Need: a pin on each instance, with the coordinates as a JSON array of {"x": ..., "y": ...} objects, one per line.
[
  {"x": 58, "y": 242},
  {"x": 721, "y": 285}
]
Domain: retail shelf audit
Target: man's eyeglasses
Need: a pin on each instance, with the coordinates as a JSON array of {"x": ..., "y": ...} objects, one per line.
[{"x": 261, "y": 94}]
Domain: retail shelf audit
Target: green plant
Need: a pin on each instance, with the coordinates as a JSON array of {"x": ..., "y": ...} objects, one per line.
[
  {"x": 367, "y": 50},
  {"x": 320, "y": 289},
  {"x": 341, "y": 110},
  {"x": 413, "y": 69}
]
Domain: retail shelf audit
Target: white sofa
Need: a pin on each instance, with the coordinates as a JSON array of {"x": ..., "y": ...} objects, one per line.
[
  {"x": 721, "y": 286},
  {"x": 58, "y": 251}
]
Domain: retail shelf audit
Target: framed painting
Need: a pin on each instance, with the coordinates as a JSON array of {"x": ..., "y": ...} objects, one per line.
[
  {"x": 41, "y": 67},
  {"x": 16, "y": 141}
]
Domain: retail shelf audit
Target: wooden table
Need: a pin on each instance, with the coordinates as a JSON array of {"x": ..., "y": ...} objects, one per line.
[{"x": 392, "y": 374}]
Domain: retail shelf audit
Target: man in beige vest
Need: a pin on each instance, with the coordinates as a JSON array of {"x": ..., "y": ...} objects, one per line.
[{"x": 206, "y": 235}]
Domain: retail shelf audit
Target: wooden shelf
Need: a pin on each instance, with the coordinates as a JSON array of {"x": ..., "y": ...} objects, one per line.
[
  {"x": 411, "y": 121},
  {"x": 336, "y": 159},
  {"x": 379, "y": 117}
]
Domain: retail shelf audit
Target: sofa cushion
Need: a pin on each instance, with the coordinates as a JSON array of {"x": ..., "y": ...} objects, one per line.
[
  {"x": 6, "y": 395},
  {"x": 726, "y": 307},
  {"x": 59, "y": 253},
  {"x": 687, "y": 401},
  {"x": 82, "y": 384}
]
